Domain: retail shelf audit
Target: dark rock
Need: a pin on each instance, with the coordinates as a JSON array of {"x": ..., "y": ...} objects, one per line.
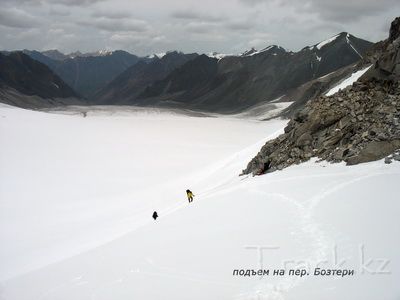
[
  {"x": 394, "y": 31},
  {"x": 374, "y": 151},
  {"x": 304, "y": 140},
  {"x": 388, "y": 160}
]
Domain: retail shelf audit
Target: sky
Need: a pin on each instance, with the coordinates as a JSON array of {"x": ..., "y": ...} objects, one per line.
[{"x": 156, "y": 26}]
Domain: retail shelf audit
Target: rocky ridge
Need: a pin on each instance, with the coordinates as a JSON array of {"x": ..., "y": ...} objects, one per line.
[{"x": 358, "y": 124}]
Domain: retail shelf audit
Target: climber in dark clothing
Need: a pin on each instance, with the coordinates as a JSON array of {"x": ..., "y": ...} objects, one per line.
[
  {"x": 155, "y": 215},
  {"x": 189, "y": 195}
]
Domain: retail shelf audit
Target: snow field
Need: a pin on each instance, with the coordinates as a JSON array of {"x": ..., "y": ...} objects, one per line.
[{"x": 81, "y": 228}]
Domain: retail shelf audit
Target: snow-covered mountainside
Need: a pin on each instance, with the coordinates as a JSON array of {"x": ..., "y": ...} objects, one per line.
[{"x": 77, "y": 194}]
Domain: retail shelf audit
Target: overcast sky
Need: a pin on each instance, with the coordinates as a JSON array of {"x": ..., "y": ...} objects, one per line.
[{"x": 153, "y": 26}]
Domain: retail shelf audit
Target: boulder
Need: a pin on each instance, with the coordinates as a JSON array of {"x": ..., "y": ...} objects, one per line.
[{"x": 374, "y": 151}]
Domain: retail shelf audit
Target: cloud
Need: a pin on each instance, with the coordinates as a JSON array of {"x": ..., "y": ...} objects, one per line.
[
  {"x": 116, "y": 25},
  {"x": 59, "y": 12},
  {"x": 61, "y": 2},
  {"x": 191, "y": 15},
  {"x": 72, "y": 2},
  {"x": 329, "y": 10},
  {"x": 252, "y": 2},
  {"x": 112, "y": 14},
  {"x": 199, "y": 27},
  {"x": 228, "y": 26},
  {"x": 245, "y": 25},
  {"x": 16, "y": 18}
]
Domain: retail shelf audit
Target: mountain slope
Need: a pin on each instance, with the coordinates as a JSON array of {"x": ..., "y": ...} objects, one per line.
[
  {"x": 26, "y": 82},
  {"x": 126, "y": 87},
  {"x": 191, "y": 78},
  {"x": 20, "y": 72},
  {"x": 89, "y": 73}
]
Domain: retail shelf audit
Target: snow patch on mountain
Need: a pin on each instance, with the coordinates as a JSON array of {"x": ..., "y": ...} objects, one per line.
[
  {"x": 348, "y": 81},
  {"x": 90, "y": 54},
  {"x": 158, "y": 55},
  {"x": 253, "y": 51},
  {"x": 349, "y": 42},
  {"x": 326, "y": 42}
]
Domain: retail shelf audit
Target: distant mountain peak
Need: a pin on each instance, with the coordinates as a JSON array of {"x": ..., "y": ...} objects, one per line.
[
  {"x": 158, "y": 55},
  {"x": 336, "y": 37},
  {"x": 103, "y": 52},
  {"x": 249, "y": 52},
  {"x": 54, "y": 54},
  {"x": 218, "y": 55},
  {"x": 320, "y": 45},
  {"x": 272, "y": 48}
]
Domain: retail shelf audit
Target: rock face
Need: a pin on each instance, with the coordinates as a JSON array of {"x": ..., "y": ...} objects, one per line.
[
  {"x": 355, "y": 125},
  {"x": 27, "y": 83},
  {"x": 30, "y": 77}
]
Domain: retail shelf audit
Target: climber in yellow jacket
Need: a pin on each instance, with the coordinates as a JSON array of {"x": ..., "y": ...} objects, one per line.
[{"x": 189, "y": 195}]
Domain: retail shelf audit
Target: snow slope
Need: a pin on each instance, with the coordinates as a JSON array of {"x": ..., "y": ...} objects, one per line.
[
  {"x": 83, "y": 181},
  {"x": 348, "y": 81},
  {"x": 69, "y": 184}
]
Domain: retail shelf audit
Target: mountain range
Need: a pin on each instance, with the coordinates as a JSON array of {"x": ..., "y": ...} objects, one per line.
[
  {"x": 234, "y": 83},
  {"x": 215, "y": 82},
  {"x": 126, "y": 87}
]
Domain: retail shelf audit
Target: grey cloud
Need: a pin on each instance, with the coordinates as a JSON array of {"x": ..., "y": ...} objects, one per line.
[
  {"x": 61, "y": 2},
  {"x": 240, "y": 26},
  {"x": 351, "y": 10},
  {"x": 252, "y": 2},
  {"x": 73, "y": 2},
  {"x": 199, "y": 27},
  {"x": 115, "y": 25},
  {"x": 59, "y": 12},
  {"x": 191, "y": 15},
  {"x": 17, "y": 19},
  {"x": 229, "y": 26},
  {"x": 334, "y": 10},
  {"x": 112, "y": 14}
]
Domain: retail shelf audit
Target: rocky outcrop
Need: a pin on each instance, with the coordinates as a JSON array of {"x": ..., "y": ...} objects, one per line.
[
  {"x": 358, "y": 124},
  {"x": 387, "y": 66}
]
